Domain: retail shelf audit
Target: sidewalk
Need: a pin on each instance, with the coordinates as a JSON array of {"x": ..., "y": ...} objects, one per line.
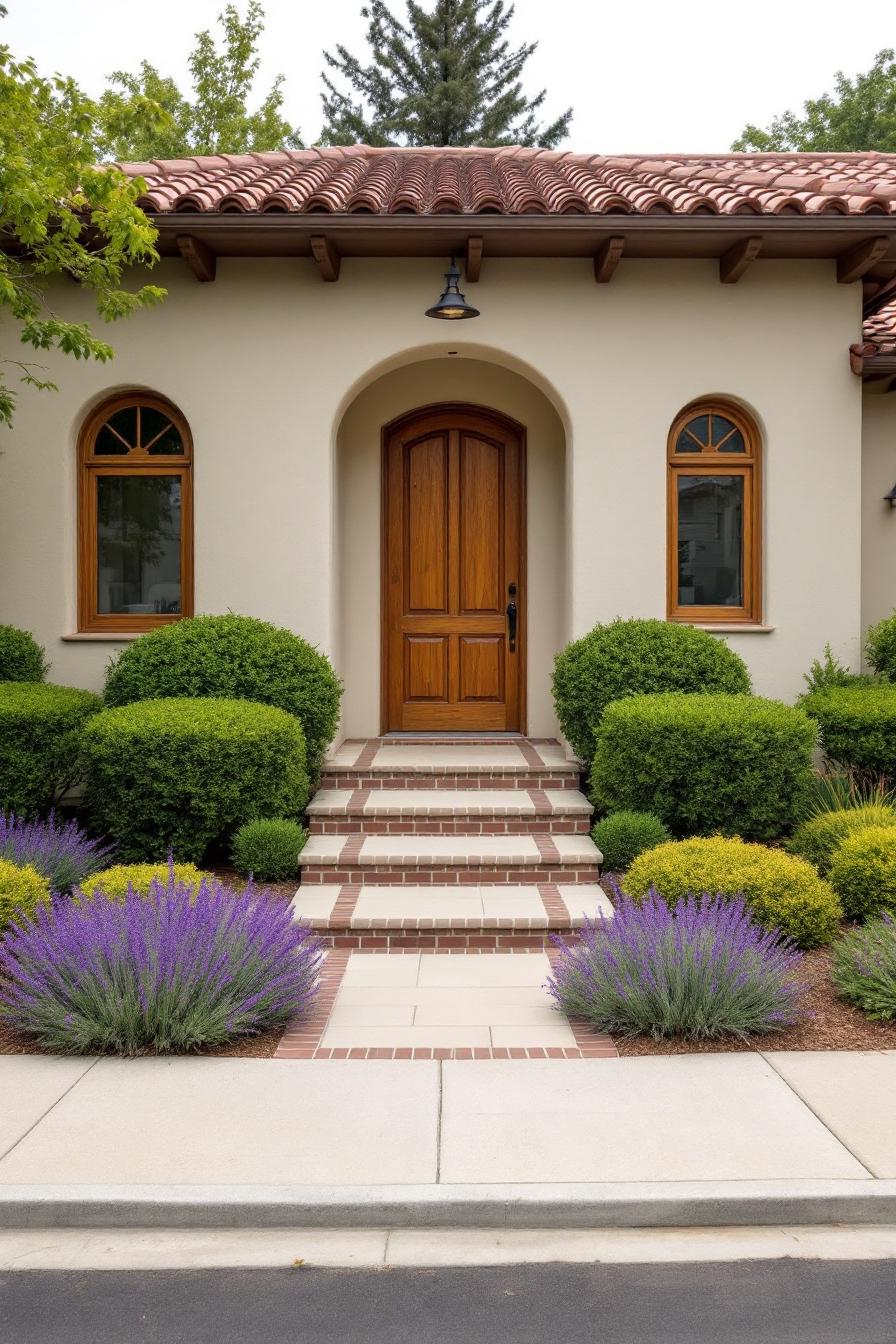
[{"x": 676, "y": 1141}]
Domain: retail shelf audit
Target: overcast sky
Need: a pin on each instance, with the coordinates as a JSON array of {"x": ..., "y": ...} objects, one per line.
[{"x": 647, "y": 77}]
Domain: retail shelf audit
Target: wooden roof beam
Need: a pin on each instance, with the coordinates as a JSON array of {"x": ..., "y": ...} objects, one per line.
[
  {"x": 326, "y": 254},
  {"x": 607, "y": 259},
  {"x": 735, "y": 261},
  {"x": 198, "y": 255},
  {"x": 473, "y": 261},
  {"x": 857, "y": 261}
]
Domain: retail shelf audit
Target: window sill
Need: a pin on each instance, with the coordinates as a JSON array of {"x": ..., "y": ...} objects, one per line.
[
  {"x": 731, "y": 627},
  {"x": 101, "y": 636}
]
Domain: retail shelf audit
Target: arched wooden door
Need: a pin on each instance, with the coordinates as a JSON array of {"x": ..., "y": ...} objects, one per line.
[{"x": 454, "y": 598}]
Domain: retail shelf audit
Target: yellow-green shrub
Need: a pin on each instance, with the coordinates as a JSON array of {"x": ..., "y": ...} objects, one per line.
[
  {"x": 114, "y": 882},
  {"x": 863, "y": 872},
  {"x": 819, "y": 838},
  {"x": 782, "y": 891},
  {"x": 22, "y": 889}
]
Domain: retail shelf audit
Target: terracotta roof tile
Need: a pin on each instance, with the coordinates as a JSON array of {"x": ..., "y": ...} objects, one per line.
[
  {"x": 879, "y": 331},
  {"x": 357, "y": 178}
]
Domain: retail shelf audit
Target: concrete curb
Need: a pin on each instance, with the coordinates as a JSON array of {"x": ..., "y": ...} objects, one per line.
[{"x": 622, "y": 1205}]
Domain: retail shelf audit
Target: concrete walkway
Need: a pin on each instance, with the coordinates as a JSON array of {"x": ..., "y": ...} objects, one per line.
[{"x": 562, "y": 1131}]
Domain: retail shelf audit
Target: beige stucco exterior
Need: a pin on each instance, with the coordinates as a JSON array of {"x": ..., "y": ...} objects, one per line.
[
  {"x": 287, "y": 381},
  {"x": 878, "y": 518}
]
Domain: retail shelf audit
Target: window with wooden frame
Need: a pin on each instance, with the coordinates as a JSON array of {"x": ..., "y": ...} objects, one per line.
[
  {"x": 714, "y": 514},
  {"x": 135, "y": 516}
]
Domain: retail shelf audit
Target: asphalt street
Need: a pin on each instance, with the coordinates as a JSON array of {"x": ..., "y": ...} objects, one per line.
[{"x": 747, "y": 1302}]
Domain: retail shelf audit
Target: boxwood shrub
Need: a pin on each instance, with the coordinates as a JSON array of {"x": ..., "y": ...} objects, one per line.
[
  {"x": 179, "y": 775},
  {"x": 863, "y": 872},
  {"x": 782, "y": 891},
  {"x": 858, "y": 726},
  {"x": 236, "y": 658},
  {"x": 880, "y": 647},
  {"x": 628, "y": 657},
  {"x": 22, "y": 889},
  {"x": 819, "y": 838},
  {"x": 21, "y": 657},
  {"x": 622, "y": 836},
  {"x": 268, "y": 849},
  {"x": 41, "y": 733},
  {"x": 117, "y": 881},
  {"x": 705, "y": 763}
]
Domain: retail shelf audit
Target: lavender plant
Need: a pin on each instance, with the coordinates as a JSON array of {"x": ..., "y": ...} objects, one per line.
[
  {"x": 864, "y": 967},
  {"x": 699, "y": 970},
  {"x": 60, "y": 851},
  {"x": 177, "y": 970}
]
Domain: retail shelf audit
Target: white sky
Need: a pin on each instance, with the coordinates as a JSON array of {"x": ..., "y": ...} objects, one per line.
[{"x": 682, "y": 75}]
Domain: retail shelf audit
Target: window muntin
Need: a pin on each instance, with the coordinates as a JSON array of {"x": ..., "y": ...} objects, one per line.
[
  {"x": 135, "y": 516},
  {"x": 713, "y": 566}
]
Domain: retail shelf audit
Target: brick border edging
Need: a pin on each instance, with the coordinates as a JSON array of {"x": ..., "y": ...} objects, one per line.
[{"x": 301, "y": 1038}]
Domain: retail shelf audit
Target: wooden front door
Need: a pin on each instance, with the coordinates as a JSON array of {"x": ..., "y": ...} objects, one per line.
[{"x": 453, "y": 563}]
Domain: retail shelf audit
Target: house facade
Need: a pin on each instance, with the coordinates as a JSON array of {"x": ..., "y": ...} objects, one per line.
[{"x": 668, "y": 406}]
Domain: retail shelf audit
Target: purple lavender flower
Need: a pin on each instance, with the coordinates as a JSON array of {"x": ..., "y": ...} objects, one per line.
[
  {"x": 864, "y": 969},
  {"x": 61, "y": 852},
  {"x": 699, "y": 970},
  {"x": 179, "y": 969}
]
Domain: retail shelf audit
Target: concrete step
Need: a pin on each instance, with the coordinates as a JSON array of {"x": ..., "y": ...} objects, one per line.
[
  {"x": 408, "y": 763},
  {"x": 446, "y": 860},
  {"x": 449, "y": 812},
  {"x": 473, "y": 918}
]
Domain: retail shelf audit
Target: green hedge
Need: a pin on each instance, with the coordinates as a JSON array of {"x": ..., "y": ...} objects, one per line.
[
  {"x": 622, "y": 836},
  {"x": 21, "y": 657},
  {"x": 236, "y": 658},
  {"x": 782, "y": 891},
  {"x": 41, "y": 733},
  {"x": 179, "y": 775},
  {"x": 820, "y": 837},
  {"x": 629, "y": 657},
  {"x": 734, "y": 764},
  {"x": 268, "y": 850},
  {"x": 880, "y": 647},
  {"x": 863, "y": 872},
  {"x": 858, "y": 726}
]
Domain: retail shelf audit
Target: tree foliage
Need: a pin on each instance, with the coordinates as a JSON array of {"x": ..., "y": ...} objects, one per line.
[
  {"x": 145, "y": 116},
  {"x": 447, "y": 77},
  {"x": 61, "y": 215},
  {"x": 860, "y": 115}
]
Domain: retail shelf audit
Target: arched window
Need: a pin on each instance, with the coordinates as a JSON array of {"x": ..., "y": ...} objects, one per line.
[
  {"x": 714, "y": 515},
  {"x": 135, "y": 516}
]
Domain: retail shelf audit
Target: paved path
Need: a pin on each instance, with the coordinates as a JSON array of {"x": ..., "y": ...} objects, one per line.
[
  {"x": 720, "y": 1117},
  {"x": 777, "y": 1302}
]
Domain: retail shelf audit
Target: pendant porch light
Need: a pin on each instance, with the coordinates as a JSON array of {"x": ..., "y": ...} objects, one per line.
[{"x": 452, "y": 304}]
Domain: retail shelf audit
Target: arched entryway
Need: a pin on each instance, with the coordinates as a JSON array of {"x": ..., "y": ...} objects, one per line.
[
  {"x": 454, "y": 569},
  {"x": 359, "y": 503}
]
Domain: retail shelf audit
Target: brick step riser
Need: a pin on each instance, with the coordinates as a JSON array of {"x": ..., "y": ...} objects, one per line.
[
  {"x": 410, "y": 825},
  {"x": 446, "y": 942},
  {"x": 362, "y": 779},
  {"x": 468, "y": 875}
]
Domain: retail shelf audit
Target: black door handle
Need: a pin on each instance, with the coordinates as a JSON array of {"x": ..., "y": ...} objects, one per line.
[{"x": 511, "y": 617}]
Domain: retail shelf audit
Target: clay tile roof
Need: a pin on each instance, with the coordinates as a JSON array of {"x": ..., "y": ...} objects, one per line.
[
  {"x": 513, "y": 181},
  {"x": 879, "y": 331}
]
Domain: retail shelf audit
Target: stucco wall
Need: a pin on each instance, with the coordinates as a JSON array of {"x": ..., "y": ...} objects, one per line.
[
  {"x": 878, "y": 518},
  {"x": 266, "y": 361}
]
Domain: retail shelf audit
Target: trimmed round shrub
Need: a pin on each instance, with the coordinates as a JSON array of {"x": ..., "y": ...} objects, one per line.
[
  {"x": 175, "y": 970},
  {"x": 863, "y": 872},
  {"x": 61, "y": 852},
  {"x": 22, "y": 890},
  {"x": 269, "y": 850},
  {"x": 699, "y": 970},
  {"x": 858, "y": 726},
  {"x": 818, "y": 838},
  {"x": 782, "y": 891},
  {"x": 880, "y": 647},
  {"x": 236, "y": 658},
  {"x": 41, "y": 738},
  {"x": 21, "y": 657},
  {"x": 117, "y": 881},
  {"x": 622, "y": 836},
  {"x": 631, "y": 657},
  {"x": 864, "y": 968},
  {"x": 704, "y": 764},
  {"x": 175, "y": 776}
]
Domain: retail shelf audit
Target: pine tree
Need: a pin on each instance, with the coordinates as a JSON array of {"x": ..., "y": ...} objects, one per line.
[{"x": 447, "y": 78}]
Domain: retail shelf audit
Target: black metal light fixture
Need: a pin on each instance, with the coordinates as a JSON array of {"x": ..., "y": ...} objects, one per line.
[
  {"x": 452, "y": 304},
  {"x": 890, "y": 497}
]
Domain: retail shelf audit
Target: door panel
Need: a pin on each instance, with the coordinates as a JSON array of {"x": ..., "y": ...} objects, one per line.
[{"x": 453, "y": 513}]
